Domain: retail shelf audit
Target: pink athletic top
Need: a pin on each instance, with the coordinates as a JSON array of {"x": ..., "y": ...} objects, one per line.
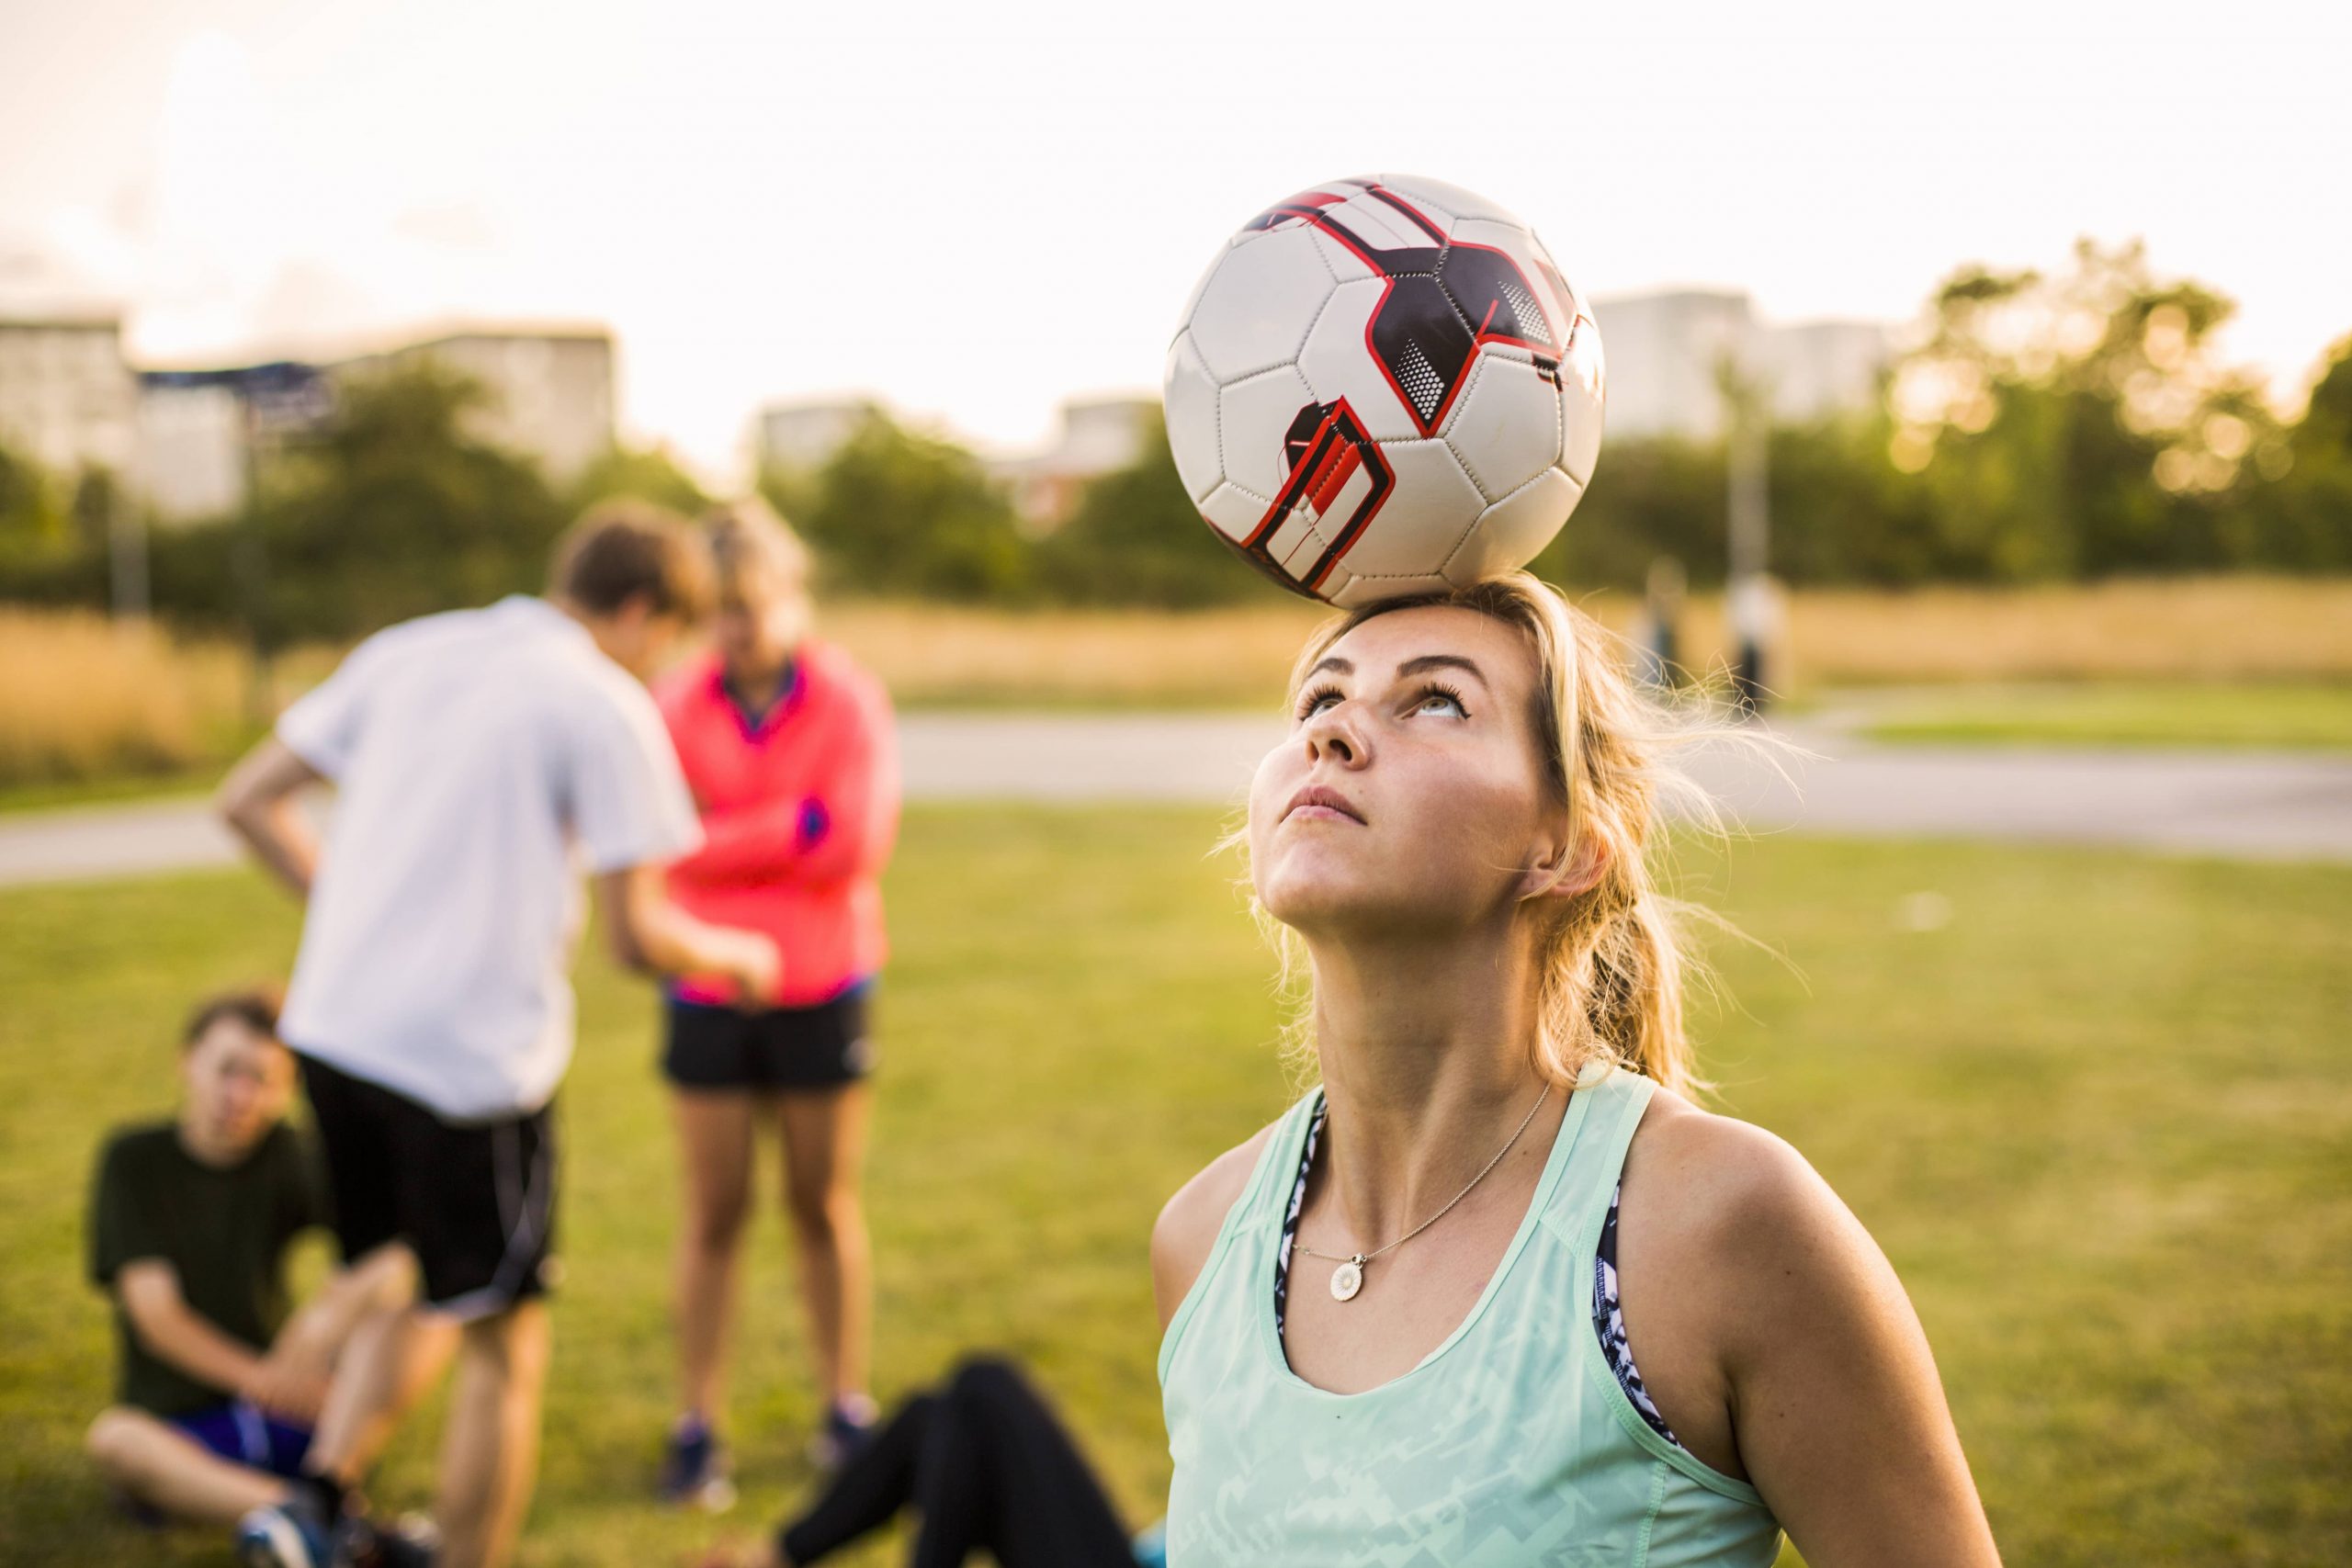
[{"x": 798, "y": 815}]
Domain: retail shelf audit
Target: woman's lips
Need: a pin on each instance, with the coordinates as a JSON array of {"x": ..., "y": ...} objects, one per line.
[{"x": 1318, "y": 802}]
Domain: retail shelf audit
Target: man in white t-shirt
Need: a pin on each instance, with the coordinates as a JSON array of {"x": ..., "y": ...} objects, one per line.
[{"x": 482, "y": 759}]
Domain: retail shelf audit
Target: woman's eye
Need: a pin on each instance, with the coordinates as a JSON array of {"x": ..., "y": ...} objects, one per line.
[
  {"x": 1316, "y": 702},
  {"x": 1443, "y": 702}
]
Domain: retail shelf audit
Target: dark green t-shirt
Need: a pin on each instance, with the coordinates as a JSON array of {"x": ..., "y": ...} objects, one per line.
[{"x": 224, "y": 1231}]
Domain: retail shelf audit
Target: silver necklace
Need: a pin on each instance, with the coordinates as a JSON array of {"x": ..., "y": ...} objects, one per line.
[{"x": 1348, "y": 1277}]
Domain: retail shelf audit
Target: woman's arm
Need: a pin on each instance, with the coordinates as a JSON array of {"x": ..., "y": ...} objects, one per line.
[
  {"x": 1835, "y": 1407},
  {"x": 843, "y": 829}
]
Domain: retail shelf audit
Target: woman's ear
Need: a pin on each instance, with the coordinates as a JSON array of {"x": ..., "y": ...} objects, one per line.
[{"x": 1567, "y": 871}]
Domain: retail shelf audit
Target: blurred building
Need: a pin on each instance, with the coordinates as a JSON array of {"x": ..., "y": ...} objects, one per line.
[
  {"x": 551, "y": 397},
  {"x": 198, "y": 431},
  {"x": 801, "y": 435},
  {"x": 550, "y": 388},
  {"x": 1664, "y": 350},
  {"x": 68, "y": 401},
  {"x": 191, "y": 447},
  {"x": 1096, "y": 435}
]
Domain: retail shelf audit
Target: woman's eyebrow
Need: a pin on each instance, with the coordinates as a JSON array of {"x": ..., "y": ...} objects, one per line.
[
  {"x": 1335, "y": 664},
  {"x": 1428, "y": 661}
]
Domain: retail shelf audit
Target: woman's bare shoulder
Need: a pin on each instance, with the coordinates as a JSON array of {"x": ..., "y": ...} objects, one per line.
[
  {"x": 1724, "y": 1170},
  {"x": 1189, "y": 1222},
  {"x": 1735, "y": 1203}
]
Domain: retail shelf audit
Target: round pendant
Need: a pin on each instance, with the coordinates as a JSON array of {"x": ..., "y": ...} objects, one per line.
[{"x": 1346, "y": 1280}]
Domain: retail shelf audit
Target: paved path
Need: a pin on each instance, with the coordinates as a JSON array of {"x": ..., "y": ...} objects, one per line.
[{"x": 2265, "y": 806}]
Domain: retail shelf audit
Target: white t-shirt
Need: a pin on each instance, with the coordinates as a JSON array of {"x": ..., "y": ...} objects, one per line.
[{"x": 480, "y": 758}]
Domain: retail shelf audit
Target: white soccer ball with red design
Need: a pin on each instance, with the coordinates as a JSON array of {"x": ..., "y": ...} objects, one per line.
[{"x": 1384, "y": 386}]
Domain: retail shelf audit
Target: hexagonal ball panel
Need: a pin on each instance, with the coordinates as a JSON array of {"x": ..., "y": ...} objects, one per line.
[
  {"x": 1515, "y": 529},
  {"x": 1506, "y": 425},
  {"x": 1189, "y": 395},
  {"x": 1233, "y": 512},
  {"x": 1432, "y": 505},
  {"x": 1259, "y": 304},
  {"x": 1253, "y": 418},
  {"x": 1338, "y": 365},
  {"x": 1451, "y": 199},
  {"x": 1583, "y": 380},
  {"x": 1347, "y": 593}
]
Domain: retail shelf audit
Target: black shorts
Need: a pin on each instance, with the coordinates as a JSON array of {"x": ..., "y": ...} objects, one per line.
[
  {"x": 474, "y": 1200},
  {"x": 782, "y": 1049}
]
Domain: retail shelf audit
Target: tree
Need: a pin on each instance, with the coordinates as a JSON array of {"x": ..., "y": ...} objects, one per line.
[
  {"x": 1137, "y": 538},
  {"x": 2302, "y": 509},
  {"x": 2080, "y": 424},
  {"x": 389, "y": 509},
  {"x": 638, "y": 473},
  {"x": 897, "y": 512}
]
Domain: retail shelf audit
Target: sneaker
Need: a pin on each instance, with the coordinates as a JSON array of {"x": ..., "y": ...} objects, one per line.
[
  {"x": 293, "y": 1534},
  {"x": 694, "y": 1469},
  {"x": 410, "y": 1542},
  {"x": 847, "y": 1422}
]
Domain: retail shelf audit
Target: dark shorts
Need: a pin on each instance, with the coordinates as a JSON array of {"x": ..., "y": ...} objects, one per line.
[
  {"x": 244, "y": 1434},
  {"x": 474, "y": 1200},
  {"x": 781, "y": 1049}
]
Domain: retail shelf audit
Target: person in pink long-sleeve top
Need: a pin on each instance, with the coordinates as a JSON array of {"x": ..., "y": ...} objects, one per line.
[{"x": 787, "y": 746}]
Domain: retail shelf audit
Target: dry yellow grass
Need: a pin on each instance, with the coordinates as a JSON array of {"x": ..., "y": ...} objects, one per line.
[
  {"x": 932, "y": 654},
  {"x": 2217, "y": 629},
  {"x": 85, "y": 697},
  {"x": 2224, "y": 628},
  {"x": 81, "y": 698}
]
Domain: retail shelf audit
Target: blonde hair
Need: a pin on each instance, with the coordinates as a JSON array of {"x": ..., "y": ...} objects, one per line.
[
  {"x": 750, "y": 542},
  {"x": 1614, "y": 961}
]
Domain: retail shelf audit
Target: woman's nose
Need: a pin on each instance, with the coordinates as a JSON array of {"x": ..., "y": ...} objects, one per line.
[{"x": 1333, "y": 734}]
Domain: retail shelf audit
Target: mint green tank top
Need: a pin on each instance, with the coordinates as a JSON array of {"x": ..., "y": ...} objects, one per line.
[{"x": 1510, "y": 1444}]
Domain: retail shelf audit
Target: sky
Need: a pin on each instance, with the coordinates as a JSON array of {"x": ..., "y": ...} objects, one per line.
[{"x": 976, "y": 211}]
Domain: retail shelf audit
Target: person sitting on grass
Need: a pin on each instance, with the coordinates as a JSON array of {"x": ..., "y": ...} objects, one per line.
[
  {"x": 190, "y": 1220},
  {"x": 987, "y": 1468}
]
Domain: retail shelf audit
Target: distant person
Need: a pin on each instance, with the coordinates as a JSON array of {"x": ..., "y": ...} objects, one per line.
[
  {"x": 483, "y": 759},
  {"x": 1758, "y": 615},
  {"x": 986, "y": 1467},
  {"x": 788, "y": 747},
  {"x": 190, "y": 1220},
  {"x": 1402, "y": 1323},
  {"x": 1658, "y": 644}
]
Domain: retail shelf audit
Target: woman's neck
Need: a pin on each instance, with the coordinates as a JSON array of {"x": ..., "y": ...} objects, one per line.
[
  {"x": 1428, "y": 1064},
  {"x": 758, "y": 690}
]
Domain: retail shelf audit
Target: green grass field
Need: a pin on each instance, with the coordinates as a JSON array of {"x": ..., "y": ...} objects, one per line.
[
  {"x": 2101, "y": 1119},
  {"x": 2297, "y": 715}
]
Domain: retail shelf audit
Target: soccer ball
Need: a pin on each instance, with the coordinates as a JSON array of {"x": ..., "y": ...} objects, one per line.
[{"x": 1384, "y": 386}]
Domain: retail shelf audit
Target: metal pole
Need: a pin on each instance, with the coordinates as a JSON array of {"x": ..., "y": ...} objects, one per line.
[
  {"x": 253, "y": 579},
  {"x": 1748, "y": 507},
  {"x": 126, "y": 556}
]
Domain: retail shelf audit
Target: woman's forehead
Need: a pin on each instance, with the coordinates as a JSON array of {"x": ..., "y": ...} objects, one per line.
[{"x": 1379, "y": 645}]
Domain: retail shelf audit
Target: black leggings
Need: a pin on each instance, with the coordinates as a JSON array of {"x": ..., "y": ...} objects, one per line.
[{"x": 989, "y": 1468}]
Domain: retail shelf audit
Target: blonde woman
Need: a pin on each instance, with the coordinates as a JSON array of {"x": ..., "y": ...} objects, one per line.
[
  {"x": 787, "y": 747},
  {"x": 1499, "y": 1291}
]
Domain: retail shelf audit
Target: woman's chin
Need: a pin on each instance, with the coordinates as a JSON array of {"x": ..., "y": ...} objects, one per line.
[{"x": 1343, "y": 906}]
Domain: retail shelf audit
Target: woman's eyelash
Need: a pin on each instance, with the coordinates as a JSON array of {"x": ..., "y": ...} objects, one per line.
[
  {"x": 1314, "y": 699},
  {"x": 1439, "y": 689}
]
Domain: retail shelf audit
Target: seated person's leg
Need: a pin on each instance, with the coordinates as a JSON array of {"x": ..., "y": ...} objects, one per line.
[
  {"x": 876, "y": 1480},
  {"x": 987, "y": 1465},
  {"x": 1046, "y": 1508},
  {"x": 193, "y": 1468}
]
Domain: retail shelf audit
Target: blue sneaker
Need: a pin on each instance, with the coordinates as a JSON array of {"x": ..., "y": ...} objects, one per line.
[
  {"x": 293, "y": 1534},
  {"x": 847, "y": 1422},
  {"x": 694, "y": 1472}
]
